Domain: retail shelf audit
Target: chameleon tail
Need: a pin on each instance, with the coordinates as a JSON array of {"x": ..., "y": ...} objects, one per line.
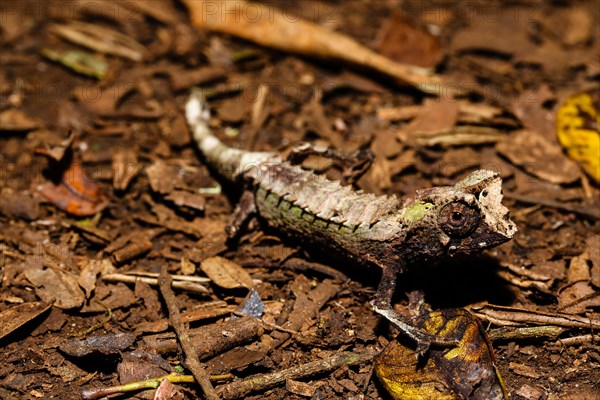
[{"x": 229, "y": 162}]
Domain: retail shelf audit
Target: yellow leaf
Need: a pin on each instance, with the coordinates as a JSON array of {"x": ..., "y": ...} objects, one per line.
[
  {"x": 577, "y": 124},
  {"x": 467, "y": 370}
]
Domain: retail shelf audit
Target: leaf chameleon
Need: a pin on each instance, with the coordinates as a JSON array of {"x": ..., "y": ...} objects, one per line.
[{"x": 382, "y": 231}]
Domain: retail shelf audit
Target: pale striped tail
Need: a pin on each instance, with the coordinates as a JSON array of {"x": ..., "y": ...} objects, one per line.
[{"x": 229, "y": 162}]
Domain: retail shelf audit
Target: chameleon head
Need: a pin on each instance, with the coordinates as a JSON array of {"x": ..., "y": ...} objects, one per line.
[{"x": 462, "y": 219}]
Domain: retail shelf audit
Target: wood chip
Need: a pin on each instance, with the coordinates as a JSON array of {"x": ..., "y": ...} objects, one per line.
[
  {"x": 300, "y": 388},
  {"x": 524, "y": 370},
  {"x": 530, "y": 393}
]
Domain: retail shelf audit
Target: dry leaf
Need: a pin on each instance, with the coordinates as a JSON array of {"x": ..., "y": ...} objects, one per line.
[
  {"x": 404, "y": 42},
  {"x": 225, "y": 273},
  {"x": 76, "y": 193},
  {"x": 538, "y": 157},
  {"x": 465, "y": 371},
  {"x": 182, "y": 198},
  {"x": 125, "y": 167},
  {"x": 272, "y": 28},
  {"x": 435, "y": 116},
  {"x": 13, "y": 318},
  {"x": 90, "y": 271},
  {"x": 16, "y": 120},
  {"x": 101, "y": 39},
  {"x": 592, "y": 244},
  {"x": 19, "y": 205},
  {"x": 55, "y": 285}
]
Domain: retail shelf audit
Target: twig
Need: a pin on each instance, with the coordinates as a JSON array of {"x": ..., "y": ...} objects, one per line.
[
  {"x": 528, "y": 332},
  {"x": 208, "y": 340},
  {"x": 191, "y": 358},
  {"x": 99, "y": 324},
  {"x": 239, "y": 389},
  {"x": 512, "y": 316},
  {"x": 269, "y": 325},
  {"x": 583, "y": 211},
  {"x": 193, "y": 287},
  {"x": 575, "y": 340},
  {"x": 101, "y": 39},
  {"x": 153, "y": 383}
]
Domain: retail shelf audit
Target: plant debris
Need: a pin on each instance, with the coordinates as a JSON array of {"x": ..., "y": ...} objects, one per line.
[{"x": 434, "y": 90}]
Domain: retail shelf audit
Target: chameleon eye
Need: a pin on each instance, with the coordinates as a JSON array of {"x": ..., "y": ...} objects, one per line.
[{"x": 458, "y": 219}]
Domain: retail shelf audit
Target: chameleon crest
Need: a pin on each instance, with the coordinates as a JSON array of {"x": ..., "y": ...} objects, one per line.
[{"x": 457, "y": 220}]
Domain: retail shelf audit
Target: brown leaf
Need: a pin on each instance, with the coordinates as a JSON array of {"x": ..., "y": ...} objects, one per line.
[
  {"x": 90, "y": 271},
  {"x": 13, "y": 318},
  {"x": 524, "y": 370},
  {"x": 531, "y": 393},
  {"x": 226, "y": 274},
  {"x": 19, "y": 205},
  {"x": 52, "y": 284},
  {"x": 174, "y": 128},
  {"x": 233, "y": 110},
  {"x": 163, "y": 12},
  {"x": 104, "y": 102},
  {"x": 185, "y": 79},
  {"x": 168, "y": 391},
  {"x": 539, "y": 157},
  {"x": 125, "y": 167},
  {"x": 57, "y": 151},
  {"x": 578, "y": 298},
  {"x": 111, "y": 297},
  {"x": 579, "y": 269},
  {"x": 506, "y": 36},
  {"x": 455, "y": 161},
  {"x": 76, "y": 193},
  {"x": 572, "y": 25},
  {"x": 592, "y": 244},
  {"x": 529, "y": 108},
  {"x": 17, "y": 120},
  {"x": 182, "y": 198},
  {"x": 404, "y": 42},
  {"x": 101, "y": 39},
  {"x": 163, "y": 177},
  {"x": 435, "y": 116}
]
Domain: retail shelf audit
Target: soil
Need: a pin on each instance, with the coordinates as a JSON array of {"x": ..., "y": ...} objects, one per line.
[{"x": 100, "y": 176}]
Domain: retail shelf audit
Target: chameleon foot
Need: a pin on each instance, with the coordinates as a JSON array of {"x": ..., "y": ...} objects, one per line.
[
  {"x": 423, "y": 339},
  {"x": 354, "y": 165},
  {"x": 244, "y": 211}
]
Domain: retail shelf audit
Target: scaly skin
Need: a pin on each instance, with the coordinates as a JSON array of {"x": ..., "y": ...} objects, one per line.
[{"x": 383, "y": 231}]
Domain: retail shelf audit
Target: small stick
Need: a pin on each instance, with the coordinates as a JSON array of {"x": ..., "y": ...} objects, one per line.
[
  {"x": 575, "y": 340},
  {"x": 583, "y": 211},
  {"x": 194, "y": 287},
  {"x": 208, "y": 340},
  {"x": 191, "y": 358},
  {"x": 99, "y": 324},
  {"x": 153, "y": 383},
  {"x": 239, "y": 389}
]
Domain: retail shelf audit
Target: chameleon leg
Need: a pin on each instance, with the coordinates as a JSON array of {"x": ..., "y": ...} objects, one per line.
[
  {"x": 354, "y": 165},
  {"x": 244, "y": 211},
  {"x": 383, "y": 306}
]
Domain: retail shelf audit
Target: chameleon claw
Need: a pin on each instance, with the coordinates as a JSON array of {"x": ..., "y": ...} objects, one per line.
[
  {"x": 423, "y": 339},
  {"x": 422, "y": 348}
]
